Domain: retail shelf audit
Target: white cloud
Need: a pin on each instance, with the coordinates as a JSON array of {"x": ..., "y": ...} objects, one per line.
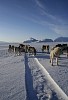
[
  {"x": 44, "y": 12},
  {"x": 39, "y": 4},
  {"x": 61, "y": 30}
]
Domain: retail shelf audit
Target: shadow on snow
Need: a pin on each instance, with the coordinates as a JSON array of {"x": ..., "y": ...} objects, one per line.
[
  {"x": 31, "y": 95},
  {"x": 40, "y": 55}
]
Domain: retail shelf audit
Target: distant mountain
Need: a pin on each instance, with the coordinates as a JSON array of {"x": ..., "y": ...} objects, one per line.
[
  {"x": 2, "y": 42},
  {"x": 30, "y": 40},
  {"x": 46, "y": 40},
  {"x": 61, "y": 39}
]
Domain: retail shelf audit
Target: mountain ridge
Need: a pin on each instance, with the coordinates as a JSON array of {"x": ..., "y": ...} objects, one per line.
[{"x": 59, "y": 39}]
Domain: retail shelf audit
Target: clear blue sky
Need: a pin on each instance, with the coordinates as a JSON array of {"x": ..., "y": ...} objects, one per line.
[{"x": 40, "y": 19}]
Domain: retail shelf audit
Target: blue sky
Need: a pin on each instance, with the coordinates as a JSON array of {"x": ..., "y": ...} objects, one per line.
[{"x": 22, "y": 19}]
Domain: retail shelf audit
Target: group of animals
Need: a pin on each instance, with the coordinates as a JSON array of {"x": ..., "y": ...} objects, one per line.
[
  {"x": 55, "y": 51},
  {"x": 22, "y": 48}
]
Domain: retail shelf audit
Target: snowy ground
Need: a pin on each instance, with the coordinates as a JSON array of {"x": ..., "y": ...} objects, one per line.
[{"x": 32, "y": 78}]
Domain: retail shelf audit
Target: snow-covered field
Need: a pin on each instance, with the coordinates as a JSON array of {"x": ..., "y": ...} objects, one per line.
[{"x": 32, "y": 77}]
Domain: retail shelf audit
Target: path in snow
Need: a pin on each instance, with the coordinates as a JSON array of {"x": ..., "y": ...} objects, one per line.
[{"x": 42, "y": 83}]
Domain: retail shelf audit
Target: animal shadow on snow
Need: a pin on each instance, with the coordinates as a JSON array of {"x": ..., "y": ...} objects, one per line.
[
  {"x": 63, "y": 65},
  {"x": 40, "y": 55},
  {"x": 63, "y": 62}
]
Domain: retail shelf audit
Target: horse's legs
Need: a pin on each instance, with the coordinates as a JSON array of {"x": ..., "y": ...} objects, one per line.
[
  {"x": 67, "y": 51},
  {"x": 67, "y": 54},
  {"x": 52, "y": 61},
  {"x": 56, "y": 60}
]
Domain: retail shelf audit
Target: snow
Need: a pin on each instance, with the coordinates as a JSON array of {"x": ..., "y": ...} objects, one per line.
[
  {"x": 27, "y": 77},
  {"x": 58, "y": 73},
  {"x": 12, "y": 78}
]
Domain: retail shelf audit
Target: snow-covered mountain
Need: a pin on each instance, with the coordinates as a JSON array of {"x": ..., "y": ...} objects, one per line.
[
  {"x": 35, "y": 40},
  {"x": 30, "y": 40},
  {"x": 61, "y": 39},
  {"x": 46, "y": 40}
]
